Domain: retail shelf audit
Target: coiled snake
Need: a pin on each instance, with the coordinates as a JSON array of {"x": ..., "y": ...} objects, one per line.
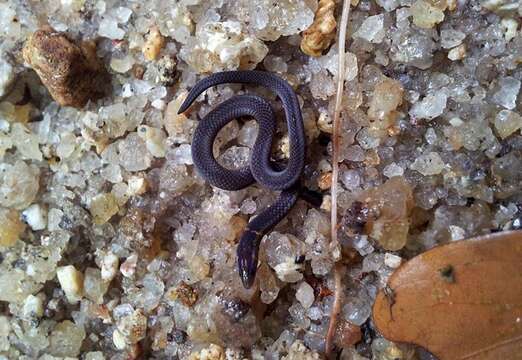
[{"x": 261, "y": 169}]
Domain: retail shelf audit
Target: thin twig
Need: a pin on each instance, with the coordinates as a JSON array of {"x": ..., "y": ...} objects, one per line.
[{"x": 336, "y": 307}]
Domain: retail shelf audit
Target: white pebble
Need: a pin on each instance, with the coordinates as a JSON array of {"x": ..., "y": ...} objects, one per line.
[
  {"x": 305, "y": 295},
  {"x": 456, "y": 232},
  {"x": 509, "y": 25},
  {"x": 392, "y": 261},
  {"x": 109, "y": 29},
  {"x": 33, "y": 306},
  {"x": 119, "y": 340},
  {"x": 35, "y": 216},
  {"x": 109, "y": 266},
  {"x": 372, "y": 29}
]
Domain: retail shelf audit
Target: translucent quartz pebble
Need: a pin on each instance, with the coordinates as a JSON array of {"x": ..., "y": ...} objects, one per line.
[
  {"x": 372, "y": 29},
  {"x": 506, "y": 92},
  {"x": 428, "y": 164}
]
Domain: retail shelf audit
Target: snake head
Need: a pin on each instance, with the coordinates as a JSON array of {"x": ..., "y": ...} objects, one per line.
[{"x": 247, "y": 252}]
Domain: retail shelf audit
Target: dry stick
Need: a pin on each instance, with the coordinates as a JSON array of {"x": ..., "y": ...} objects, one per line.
[{"x": 335, "y": 174}]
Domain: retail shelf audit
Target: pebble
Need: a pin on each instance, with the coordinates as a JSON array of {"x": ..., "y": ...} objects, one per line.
[
  {"x": 103, "y": 207},
  {"x": 71, "y": 281},
  {"x": 36, "y": 217},
  {"x": 109, "y": 266},
  {"x": 153, "y": 45},
  {"x": 507, "y": 90},
  {"x": 11, "y": 227},
  {"x": 66, "y": 339},
  {"x": 305, "y": 294},
  {"x": 56, "y": 58},
  {"x": 430, "y": 107},
  {"x": 33, "y": 307},
  {"x": 372, "y": 29},
  {"x": 507, "y": 122},
  {"x": 428, "y": 164},
  {"x": 426, "y": 15}
]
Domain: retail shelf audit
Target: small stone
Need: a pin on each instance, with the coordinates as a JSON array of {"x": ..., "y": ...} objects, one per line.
[
  {"x": 109, "y": 266},
  {"x": 457, "y": 53},
  {"x": 199, "y": 267},
  {"x": 392, "y": 170},
  {"x": 122, "y": 65},
  {"x": 33, "y": 307},
  {"x": 93, "y": 285},
  {"x": 128, "y": 268},
  {"x": 289, "y": 271},
  {"x": 305, "y": 294},
  {"x": 430, "y": 107},
  {"x": 167, "y": 71},
  {"x": 507, "y": 122},
  {"x": 510, "y": 26},
  {"x": 425, "y": 15},
  {"x": 457, "y": 233},
  {"x": 392, "y": 261},
  {"x": 393, "y": 203},
  {"x": 103, "y": 207},
  {"x": 133, "y": 327},
  {"x": 71, "y": 281},
  {"x": 506, "y": 94},
  {"x": 36, "y": 217},
  {"x": 185, "y": 293},
  {"x": 325, "y": 181},
  {"x": 155, "y": 140},
  {"x": 109, "y": 28},
  {"x": 26, "y": 142},
  {"x": 351, "y": 179},
  {"x": 19, "y": 184},
  {"x": 66, "y": 339},
  {"x": 7, "y": 76},
  {"x": 11, "y": 227},
  {"x": 386, "y": 98},
  {"x": 320, "y": 35},
  {"x": 66, "y": 146},
  {"x": 153, "y": 45},
  {"x": 137, "y": 185},
  {"x": 134, "y": 153},
  {"x": 72, "y": 73},
  {"x": 428, "y": 164},
  {"x": 118, "y": 339},
  {"x": 372, "y": 29},
  {"x": 450, "y": 38}
]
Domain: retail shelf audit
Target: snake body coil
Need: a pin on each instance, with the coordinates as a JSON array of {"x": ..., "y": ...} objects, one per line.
[{"x": 261, "y": 169}]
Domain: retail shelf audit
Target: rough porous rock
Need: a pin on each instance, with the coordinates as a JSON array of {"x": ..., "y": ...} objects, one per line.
[{"x": 72, "y": 72}]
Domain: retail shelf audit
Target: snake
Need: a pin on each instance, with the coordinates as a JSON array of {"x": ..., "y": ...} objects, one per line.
[{"x": 261, "y": 169}]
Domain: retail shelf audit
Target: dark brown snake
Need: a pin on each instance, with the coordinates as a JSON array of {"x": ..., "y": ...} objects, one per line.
[{"x": 261, "y": 169}]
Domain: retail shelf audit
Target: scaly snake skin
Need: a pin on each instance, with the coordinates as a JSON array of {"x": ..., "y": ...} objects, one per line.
[{"x": 261, "y": 169}]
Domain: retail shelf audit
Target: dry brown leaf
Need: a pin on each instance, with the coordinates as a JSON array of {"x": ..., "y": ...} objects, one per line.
[{"x": 460, "y": 301}]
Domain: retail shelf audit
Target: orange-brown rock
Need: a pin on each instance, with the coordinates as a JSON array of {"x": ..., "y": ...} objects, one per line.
[{"x": 71, "y": 71}]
